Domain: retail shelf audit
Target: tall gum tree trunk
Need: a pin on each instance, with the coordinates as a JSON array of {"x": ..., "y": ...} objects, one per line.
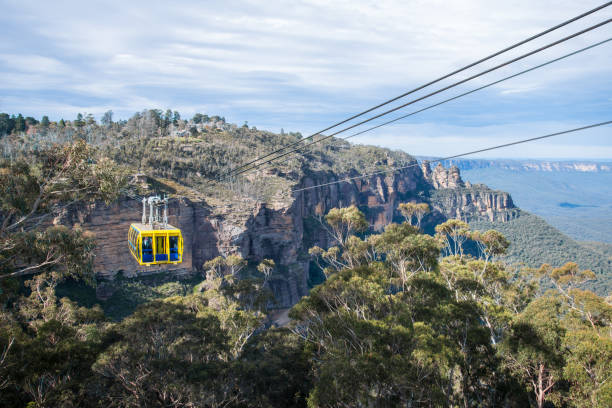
[{"x": 540, "y": 390}]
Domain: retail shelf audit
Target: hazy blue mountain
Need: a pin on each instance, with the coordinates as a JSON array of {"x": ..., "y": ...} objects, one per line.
[{"x": 573, "y": 196}]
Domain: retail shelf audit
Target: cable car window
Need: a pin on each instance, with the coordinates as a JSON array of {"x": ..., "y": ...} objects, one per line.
[
  {"x": 160, "y": 245},
  {"x": 160, "y": 249},
  {"x": 174, "y": 248},
  {"x": 147, "y": 249}
]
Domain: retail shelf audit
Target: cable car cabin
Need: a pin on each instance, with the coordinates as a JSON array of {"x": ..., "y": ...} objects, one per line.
[{"x": 155, "y": 244}]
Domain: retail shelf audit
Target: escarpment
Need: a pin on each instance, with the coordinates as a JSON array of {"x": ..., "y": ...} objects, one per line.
[
  {"x": 457, "y": 199},
  {"x": 284, "y": 232}
]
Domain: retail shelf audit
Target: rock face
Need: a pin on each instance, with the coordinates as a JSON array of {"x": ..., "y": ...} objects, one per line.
[
  {"x": 378, "y": 196},
  {"x": 109, "y": 225},
  {"x": 441, "y": 177},
  {"x": 455, "y": 199},
  {"x": 474, "y": 203},
  {"x": 284, "y": 233}
]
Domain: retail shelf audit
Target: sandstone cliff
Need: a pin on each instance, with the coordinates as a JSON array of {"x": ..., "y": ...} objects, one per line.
[
  {"x": 457, "y": 199},
  {"x": 285, "y": 231}
]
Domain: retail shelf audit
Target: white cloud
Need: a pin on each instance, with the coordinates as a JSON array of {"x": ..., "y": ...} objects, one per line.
[
  {"x": 274, "y": 61},
  {"x": 433, "y": 139}
]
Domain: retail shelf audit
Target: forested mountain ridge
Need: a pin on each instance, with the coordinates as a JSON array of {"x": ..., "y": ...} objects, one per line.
[
  {"x": 396, "y": 317},
  {"x": 254, "y": 215},
  {"x": 534, "y": 242}
]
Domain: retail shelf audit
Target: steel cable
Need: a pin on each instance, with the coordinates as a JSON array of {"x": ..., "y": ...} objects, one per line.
[
  {"x": 513, "y": 60},
  {"x": 453, "y": 98},
  {"x": 428, "y": 84},
  {"x": 486, "y": 149}
]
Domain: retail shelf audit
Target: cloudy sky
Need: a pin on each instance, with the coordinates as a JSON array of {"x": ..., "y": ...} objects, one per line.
[{"x": 303, "y": 65}]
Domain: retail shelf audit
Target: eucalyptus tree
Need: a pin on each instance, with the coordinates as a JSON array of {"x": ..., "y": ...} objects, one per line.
[
  {"x": 31, "y": 191},
  {"x": 401, "y": 328}
]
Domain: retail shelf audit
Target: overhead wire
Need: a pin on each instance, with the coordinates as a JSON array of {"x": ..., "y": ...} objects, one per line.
[
  {"x": 450, "y": 99},
  {"x": 486, "y": 149},
  {"x": 551, "y": 29},
  {"x": 511, "y": 61}
]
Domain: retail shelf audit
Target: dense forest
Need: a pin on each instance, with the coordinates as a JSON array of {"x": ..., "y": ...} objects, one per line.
[
  {"x": 535, "y": 242},
  {"x": 401, "y": 318}
]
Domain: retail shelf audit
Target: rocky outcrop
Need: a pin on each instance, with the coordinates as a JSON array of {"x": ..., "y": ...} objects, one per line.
[
  {"x": 474, "y": 203},
  {"x": 455, "y": 199},
  {"x": 284, "y": 232},
  {"x": 441, "y": 177},
  {"x": 378, "y": 196}
]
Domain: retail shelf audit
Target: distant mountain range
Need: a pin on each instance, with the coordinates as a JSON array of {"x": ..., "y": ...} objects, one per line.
[
  {"x": 528, "y": 165},
  {"x": 573, "y": 196}
]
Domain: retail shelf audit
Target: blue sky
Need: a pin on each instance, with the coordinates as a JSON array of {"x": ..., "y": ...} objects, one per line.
[{"x": 302, "y": 65}]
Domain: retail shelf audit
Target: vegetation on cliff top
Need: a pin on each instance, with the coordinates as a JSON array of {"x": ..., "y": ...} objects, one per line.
[{"x": 198, "y": 151}]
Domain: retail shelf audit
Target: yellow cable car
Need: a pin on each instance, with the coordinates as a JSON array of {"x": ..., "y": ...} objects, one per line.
[{"x": 155, "y": 242}]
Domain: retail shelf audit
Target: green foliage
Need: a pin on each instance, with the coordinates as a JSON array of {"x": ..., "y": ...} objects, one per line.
[
  {"x": 533, "y": 348},
  {"x": 379, "y": 347},
  {"x": 534, "y": 242},
  {"x": 124, "y": 295},
  {"x": 452, "y": 234},
  {"x": 600, "y": 247},
  {"x": 128, "y": 294},
  {"x": 179, "y": 351},
  {"x": 79, "y": 122},
  {"x": 490, "y": 243},
  {"x": 169, "y": 351},
  {"x": 588, "y": 368},
  {"x": 394, "y": 323},
  {"x": 407, "y": 251},
  {"x": 20, "y": 124},
  {"x": 382, "y": 328},
  {"x": 64, "y": 251},
  {"x": 396, "y": 329},
  {"x": 35, "y": 188},
  {"x": 275, "y": 370},
  {"x": 416, "y": 210},
  {"x": 7, "y": 124},
  {"x": 49, "y": 346},
  {"x": 345, "y": 222}
]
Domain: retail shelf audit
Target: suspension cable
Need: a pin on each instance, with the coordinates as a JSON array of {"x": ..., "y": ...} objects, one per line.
[
  {"x": 430, "y": 83},
  {"x": 486, "y": 149},
  {"x": 450, "y": 99},
  {"x": 540, "y": 49}
]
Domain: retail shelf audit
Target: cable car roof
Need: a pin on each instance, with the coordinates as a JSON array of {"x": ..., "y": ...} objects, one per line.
[{"x": 155, "y": 227}]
